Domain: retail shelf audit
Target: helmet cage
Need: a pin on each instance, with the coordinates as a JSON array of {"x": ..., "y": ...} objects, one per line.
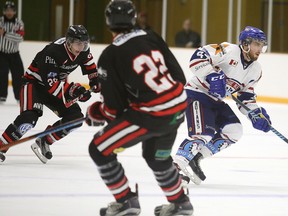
[{"x": 78, "y": 34}]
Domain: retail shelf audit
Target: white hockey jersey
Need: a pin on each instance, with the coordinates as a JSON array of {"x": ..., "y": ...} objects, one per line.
[{"x": 241, "y": 77}]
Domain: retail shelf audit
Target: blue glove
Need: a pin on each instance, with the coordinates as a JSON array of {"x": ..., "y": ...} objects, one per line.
[
  {"x": 260, "y": 119},
  {"x": 217, "y": 83}
]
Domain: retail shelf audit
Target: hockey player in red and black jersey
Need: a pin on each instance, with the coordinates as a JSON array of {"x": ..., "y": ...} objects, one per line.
[
  {"x": 143, "y": 101},
  {"x": 45, "y": 83}
]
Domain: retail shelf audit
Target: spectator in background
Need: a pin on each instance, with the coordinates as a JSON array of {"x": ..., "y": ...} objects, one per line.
[
  {"x": 186, "y": 37},
  {"x": 11, "y": 34},
  {"x": 142, "y": 22}
]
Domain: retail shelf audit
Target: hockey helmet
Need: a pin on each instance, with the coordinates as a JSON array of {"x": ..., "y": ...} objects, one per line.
[
  {"x": 9, "y": 4},
  {"x": 120, "y": 15},
  {"x": 77, "y": 33},
  {"x": 249, "y": 34}
]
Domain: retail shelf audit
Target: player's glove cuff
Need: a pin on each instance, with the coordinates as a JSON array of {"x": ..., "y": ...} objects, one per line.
[
  {"x": 260, "y": 119},
  {"x": 94, "y": 116}
]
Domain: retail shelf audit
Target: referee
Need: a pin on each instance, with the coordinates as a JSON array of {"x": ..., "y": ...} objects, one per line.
[{"x": 11, "y": 34}]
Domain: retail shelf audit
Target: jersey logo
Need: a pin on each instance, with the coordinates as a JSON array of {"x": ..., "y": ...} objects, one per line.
[
  {"x": 69, "y": 67},
  {"x": 233, "y": 63},
  {"x": 102, "y": 73},
  {"x": 23, "y": 128},
  {"x": 38, "y": 106},
  {"x": 49, "y": 60},
  {"x": 51, "y": 75}
]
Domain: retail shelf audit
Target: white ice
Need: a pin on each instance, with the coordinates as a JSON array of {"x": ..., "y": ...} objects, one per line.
[{"x": 250, "y": 178}]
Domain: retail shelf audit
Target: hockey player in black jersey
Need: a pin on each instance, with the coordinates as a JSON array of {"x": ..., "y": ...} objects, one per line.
[
  {"x": 143, "y": 101},
  {"x": 45, "y": 83}
]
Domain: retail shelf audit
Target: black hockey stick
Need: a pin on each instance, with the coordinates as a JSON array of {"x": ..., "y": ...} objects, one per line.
[
  {"x": 44, "y": 133},
  {"x": 281, "y": 136}
]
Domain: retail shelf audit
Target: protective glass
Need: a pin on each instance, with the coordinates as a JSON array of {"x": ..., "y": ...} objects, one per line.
[
  {"x": 78, "y": 43},
  {"x": 259, "y": 44}
]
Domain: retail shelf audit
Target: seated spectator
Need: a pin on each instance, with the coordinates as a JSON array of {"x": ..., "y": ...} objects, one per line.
[
  {"x": 142, "y": 22},
  {"x": 186, "y": 37}
]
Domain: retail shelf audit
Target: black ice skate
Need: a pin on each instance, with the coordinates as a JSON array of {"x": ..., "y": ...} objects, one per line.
[
  {"x": 2, "y": 99},
  {"x": 44, "y": 154},
  {"x": 195, "y": 166},
  {"x": 2, "y": 157},
  {"x": 173, "y": 209},
  {"x": 190, "y": 169},
  {"x": 129, "y": 207}
]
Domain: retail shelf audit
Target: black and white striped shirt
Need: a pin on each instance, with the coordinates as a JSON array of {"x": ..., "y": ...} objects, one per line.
[{"x": 14, "y": 32}]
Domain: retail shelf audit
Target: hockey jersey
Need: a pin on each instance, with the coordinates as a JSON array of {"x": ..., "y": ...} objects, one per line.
[
  {"x": 54, "y": 63},
  {"x": 139, "y": 71},
  {"x": 14, "y": 33},
  {"x": 241, "y": 76}
]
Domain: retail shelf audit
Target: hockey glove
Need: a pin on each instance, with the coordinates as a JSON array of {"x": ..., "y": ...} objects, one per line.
[
  {"x": 76, "y": 90},
  {"x": 94, "y": 116},
  {"x": 260, "y": 119},
  {"x": 217, "y": 83},
  {"x": 93, "y": 82}
]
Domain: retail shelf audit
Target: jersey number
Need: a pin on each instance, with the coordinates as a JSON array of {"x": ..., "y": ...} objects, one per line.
[{"x": 155, "y": 71}]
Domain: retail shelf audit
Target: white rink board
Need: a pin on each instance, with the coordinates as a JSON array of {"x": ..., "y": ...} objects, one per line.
[{"x": 272, "y": 84}]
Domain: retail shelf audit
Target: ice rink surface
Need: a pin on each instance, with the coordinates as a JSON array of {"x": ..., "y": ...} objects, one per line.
[{"x": 250, "y": 178}]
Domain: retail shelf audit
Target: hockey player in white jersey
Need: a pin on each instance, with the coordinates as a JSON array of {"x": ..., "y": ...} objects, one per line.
[{"x": 219, "y": 70}]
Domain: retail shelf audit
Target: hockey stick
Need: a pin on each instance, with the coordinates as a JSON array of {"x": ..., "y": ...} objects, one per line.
[
  {"x": 281, "y": 136},
  {"x": 44, "y": 133},
  {"x": 71, "y": 102}
]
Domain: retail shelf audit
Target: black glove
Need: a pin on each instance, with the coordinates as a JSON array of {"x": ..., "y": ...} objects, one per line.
[
  {"x": 76, "y": 90},
  {"x": 217, "y": 83},
  {"x": 94, "y": 116},
  {"x": 93, "y": 82},
  {"x": 260, "y": 119}
]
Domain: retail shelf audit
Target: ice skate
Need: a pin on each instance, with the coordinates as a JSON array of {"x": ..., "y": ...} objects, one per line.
[
  {"x": 2, "y": 157},
  {"x": 42, "y": 150},
  {"x": 195, "y": 166},
  {"x": 2, "y": 100},
  {"x": 187, "y": 159},
  {"x": 184, "y": 167},
  {"x": 129, "y": 207},
  {"x": 183, "y": 208}
]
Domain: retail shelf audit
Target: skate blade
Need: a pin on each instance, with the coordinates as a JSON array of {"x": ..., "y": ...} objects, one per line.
[
  {"x": 194, "y": 178},
  {"x": 184, "y": 168},
  {"x": 35, "y": 148}
]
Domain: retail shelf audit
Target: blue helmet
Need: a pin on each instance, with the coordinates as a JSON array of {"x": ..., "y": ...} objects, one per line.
[{"x": 251, "y": 33}]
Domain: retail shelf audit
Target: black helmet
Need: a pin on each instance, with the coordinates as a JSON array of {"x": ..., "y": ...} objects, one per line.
[
  {"x": 9, "y": 4},
  {"x": 77, "y": 32},
  {"x": 120, "y": 15}
]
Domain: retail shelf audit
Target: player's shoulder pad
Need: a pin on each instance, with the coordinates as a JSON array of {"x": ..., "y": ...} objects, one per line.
[
  {"x": 218, "y": 49},
  {"x": 56, "y": 52},
  {"x": 200, "y": 53}
]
